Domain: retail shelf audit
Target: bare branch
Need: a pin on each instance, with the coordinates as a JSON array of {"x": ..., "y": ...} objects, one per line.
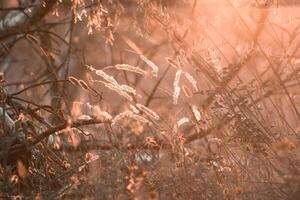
[{"x": 18, "y": 21}]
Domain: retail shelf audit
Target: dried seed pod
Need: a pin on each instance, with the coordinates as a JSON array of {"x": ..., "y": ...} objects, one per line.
[
  {"x": 182, "y": 121},
  {"x": 191, "y": 79},
  {"x": 138, "y": 51},
  {"x": 176, "y": 94},
  {"x": 118, "y": 89},
  {"x": 32, "y": 38},
  {"x": 134, "y": 109},
  {"x": 90, "y": 67},
  {"x": 176, "y": 91},
  {"x": 172, "y": 63},
  {"x": 106, "y": 115},
  {"x": 187, "y": 92},
  {"x": 147, "y": 111},
  {"x": 128, "y": 89},
  {"x": 153, "y": 66},
  {"x": 84, "y": 85},
  {"x": 177, "y": 78},
  {"x": 73, "y": 80},
  {"x": 120, "y": 116},
  {"x": 130, "y": 68},
  {"x": 106, "y": 77},
  {"x": 84, "y": 117},
  {"x": 140, "y": 118},
  {"x": 196, "y": 112}
]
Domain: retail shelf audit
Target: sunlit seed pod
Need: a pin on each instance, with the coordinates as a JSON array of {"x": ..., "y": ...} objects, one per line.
[
  {"x": 176, "y": 94},
  {"x": 172, "y": 63},
  {"x": 176, "y": 91},
  {"x": 128, "y": 89},
  {"x": 130, "y": 68},
  {"x": 14, "y": 179},
  {"x": 177, "y": 78},
  {"x": 90, "y": 157},
  {"x": 140, "y": 118},
  {"x": 106, "y": 77},
  {"x": 32, "y": 38},
  {"x": 138, "y": 51},
  {"x": 83, "y": 85},
  {"x": 191, "y": 79},
  {"x": 147, "y": 111},
  {"x": 106, "y": 115},
  {"x": 96, "y": 111},
  {"x": 187, "y": 92},
  {"x": 153, "y": 66},
  {"x": 196, "y": 112},
  {"x": 84, "y": 117},
  {"x": 121, "y": 116},
  {"x": 90, "y": 67},
  {"x": 125, "y": 95},
  {"x": 182, "y": 121},
  {"x": 73, "y": 80},
  {"x": 119, "y": 90},
  {"x": 134, "y": 109}
]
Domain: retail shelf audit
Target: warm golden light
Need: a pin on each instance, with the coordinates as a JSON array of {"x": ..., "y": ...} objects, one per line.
[{"x": 149, "y": 99}]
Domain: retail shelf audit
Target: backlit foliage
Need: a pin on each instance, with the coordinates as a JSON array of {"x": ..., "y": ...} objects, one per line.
[{"x": 149, "y": 99}]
